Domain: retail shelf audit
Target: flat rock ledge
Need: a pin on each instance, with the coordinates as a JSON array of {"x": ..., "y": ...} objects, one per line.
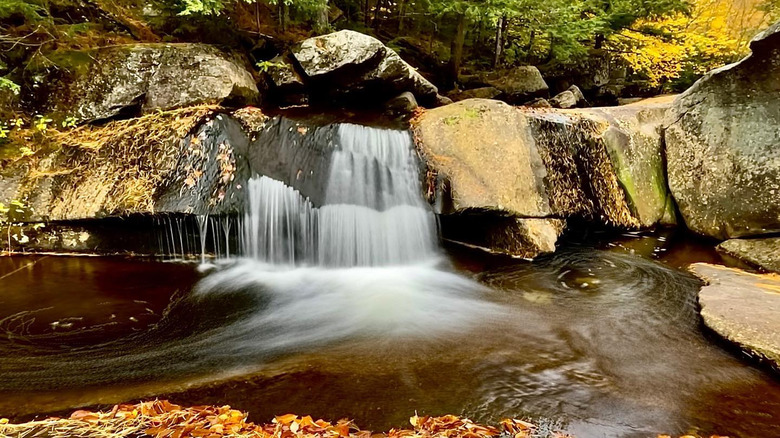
[
  {"x": 743, "y": 308},
  {"x": 761, "y": 253}
]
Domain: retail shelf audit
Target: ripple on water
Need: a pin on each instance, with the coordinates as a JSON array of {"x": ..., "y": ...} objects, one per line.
[{"x": 622, "y": 355}]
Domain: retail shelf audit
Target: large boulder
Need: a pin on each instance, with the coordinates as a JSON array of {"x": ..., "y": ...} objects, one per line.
[
  {"x": 517, "y": 85},
  {"x": 485, "y": 157},
  {"x": 507, "y": 165},
  {"x": 763, "y": 253},
  {"x": 742, "y": 308},
  {"x": 352, "y": 67},
  {"x": 124, "y": 80},
  {"x": 475, "y": 93},
  {"x": 183, "y": 161},
  {"x": 723, "y": 146}
]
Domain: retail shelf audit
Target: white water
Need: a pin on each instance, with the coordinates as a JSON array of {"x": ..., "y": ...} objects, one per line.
[
  {"x": 365, "y": 263},
  {"x": 373, "y": 214}
]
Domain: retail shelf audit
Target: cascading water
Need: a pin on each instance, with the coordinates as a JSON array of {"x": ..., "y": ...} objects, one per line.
[
  {"x": 356, "y": 261},
  {"x": 373, "y": 214}
]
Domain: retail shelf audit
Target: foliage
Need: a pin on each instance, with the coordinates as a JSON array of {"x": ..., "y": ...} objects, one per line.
[
  {"x": 7, "y": 84},
  {"x": 672, "y": 51},
  {"x": 266, "y": 66},
  {"x": 32, "y": 11}
]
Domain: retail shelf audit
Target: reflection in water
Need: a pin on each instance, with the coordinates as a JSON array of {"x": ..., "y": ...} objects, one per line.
[{"x": 606, "y": 342}]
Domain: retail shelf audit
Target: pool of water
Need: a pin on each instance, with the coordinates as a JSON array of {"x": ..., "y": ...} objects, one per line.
[{"x": 602, "y": 339}]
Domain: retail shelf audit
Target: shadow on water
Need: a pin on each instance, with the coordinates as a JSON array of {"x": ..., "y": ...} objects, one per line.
[{"x": 606, "y": 341}]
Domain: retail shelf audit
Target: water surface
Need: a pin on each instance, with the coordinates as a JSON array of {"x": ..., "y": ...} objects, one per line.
[{"x": 601, "y": 339}]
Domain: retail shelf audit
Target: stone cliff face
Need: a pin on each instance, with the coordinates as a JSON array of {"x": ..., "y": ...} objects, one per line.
[{"x": 723, "y": 146}]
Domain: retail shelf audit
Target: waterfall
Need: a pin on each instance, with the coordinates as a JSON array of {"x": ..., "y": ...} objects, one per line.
[{"x": 373, "y": 213}]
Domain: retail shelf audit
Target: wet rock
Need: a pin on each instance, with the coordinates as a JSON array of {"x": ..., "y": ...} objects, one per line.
[
  {"x": 762, "y": 253},
  {"x": 402, "y": 105},
  {"x": 351, "y": 66},
  {"x": 475, "y": 93},
  {"x": 601, "y": 165},
  {"x": 513, "y": 236},
  {"x": 743, "y": 308},
  {"x": 136, "y": 79},
  {"x": 723, "y": 146},
  {"x": 181, "y": 163},
  {"x": 634, "y": 140}
]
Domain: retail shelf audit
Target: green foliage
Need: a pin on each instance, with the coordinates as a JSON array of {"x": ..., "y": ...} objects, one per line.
[
  {"x": 41, "y": 123},
  {"x": 7, "y": 84},
  {"x": 69, "y": 122},
  {"x": 266, "y": 66},
  {"x": 203, "y": 7},
  {"x": 32, "y": 11}
]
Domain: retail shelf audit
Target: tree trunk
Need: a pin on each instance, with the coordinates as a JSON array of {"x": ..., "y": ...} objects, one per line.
[
  {"x": 529, "y": 48},
  {"x": 322, "y": 18},
  {"x": 499, "y": 40},
  {"x": 456, "y": 49},
  {"x": 599, "y": 43},
  {"x": 257, "y": 17},
  {"x": 401, "y": 15},
  {"x": 281, "y": 11}
]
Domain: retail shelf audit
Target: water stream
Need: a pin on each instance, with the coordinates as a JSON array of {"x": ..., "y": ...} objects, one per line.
[{"x": 344, "y": 305}]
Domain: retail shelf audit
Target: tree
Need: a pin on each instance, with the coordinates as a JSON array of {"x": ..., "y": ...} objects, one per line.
[
  {"x": 316, "y": 9},
  {"x": 672, "y": 51}
]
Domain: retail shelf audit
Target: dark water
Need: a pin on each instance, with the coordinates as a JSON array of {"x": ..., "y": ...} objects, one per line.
[{"x": 603, "y": 339}]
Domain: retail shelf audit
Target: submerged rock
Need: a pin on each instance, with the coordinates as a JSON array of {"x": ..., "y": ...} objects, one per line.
[
  {"x": 763, "y": 253},
  {"x": 135, "y": 79},
  {"x": 743, "y": 308},
  {"x": 723, "y": 146}
]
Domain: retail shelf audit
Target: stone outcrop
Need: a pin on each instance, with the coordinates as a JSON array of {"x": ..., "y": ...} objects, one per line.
[
  {"x": 128, "y": 80},
  {"x": 743, "y": 308},
  {"x": 348, "y": 67},
  {"x": 508, "y": 164},
  {"x": 723, "y": 146},
  {"x": 762, "y": 253},
  {"x": 571, "y": 98},
  {"x": 516, "y": 85},
  {"x": 485, "y": 156},
  {"x": 475, "y": 93},
  {"x": 634, "y": 140},
  {"x": 184, "y": 161}
]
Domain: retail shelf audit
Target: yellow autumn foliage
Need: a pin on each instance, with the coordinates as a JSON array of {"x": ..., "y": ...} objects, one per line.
[{"x": 715, "y": 33}]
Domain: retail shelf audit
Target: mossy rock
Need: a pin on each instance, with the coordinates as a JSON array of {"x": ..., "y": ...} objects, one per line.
[{"x": 129, "y": 80}]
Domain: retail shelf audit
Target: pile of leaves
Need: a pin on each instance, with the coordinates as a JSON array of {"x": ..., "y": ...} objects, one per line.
[{"x": 162, "y": 419}]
